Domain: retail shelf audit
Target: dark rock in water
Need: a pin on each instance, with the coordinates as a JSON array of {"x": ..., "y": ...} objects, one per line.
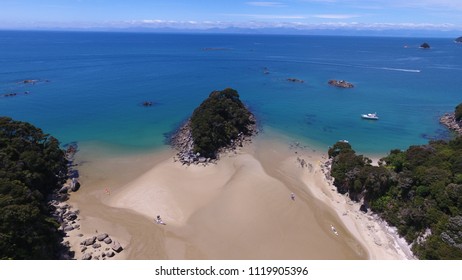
[
  {"x": 363, "y": 208},
  {"x": 425, "y": 46},
  {"x": 458, "y": 40},
  {"x": 340, "y": 84},
  {"x": 295, "y": 80},
  {"x": 147, "y": 103}
]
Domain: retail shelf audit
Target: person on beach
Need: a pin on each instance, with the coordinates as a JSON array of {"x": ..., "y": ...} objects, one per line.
[
  {"x": 292, "y": 196},
  {"x": 159, "y": 220}
]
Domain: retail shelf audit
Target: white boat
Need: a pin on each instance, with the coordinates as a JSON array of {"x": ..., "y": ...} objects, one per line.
[{"x": 370, "y": 116}]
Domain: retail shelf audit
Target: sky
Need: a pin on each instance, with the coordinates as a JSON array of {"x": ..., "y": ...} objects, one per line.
[{"x": 436, "y": 15}]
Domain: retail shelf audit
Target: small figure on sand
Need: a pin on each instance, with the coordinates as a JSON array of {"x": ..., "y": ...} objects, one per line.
[
  {"x": 106, "y": 190},
  {"x": 159, "y": 221},
  {"x": 333, "y": 230},
  {"x": 292, "y": 196}
]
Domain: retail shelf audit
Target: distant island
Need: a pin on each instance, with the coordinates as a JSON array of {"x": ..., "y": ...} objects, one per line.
[
  {"x": 340, "y": 84},
  {"x": 419, "y": 191},
  {"x": 458, "y": 40},
  {"x": 220, "y": 122},
  {"x": 425, "y": 46}
]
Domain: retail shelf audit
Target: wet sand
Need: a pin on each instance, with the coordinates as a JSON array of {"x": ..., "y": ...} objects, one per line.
[{"x": 239, "y": 208}]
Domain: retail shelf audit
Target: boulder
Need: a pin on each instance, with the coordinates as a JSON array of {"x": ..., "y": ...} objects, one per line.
[
  {"x": 110, "y": 254},
  {"x": 102, "y": 236},
  {"x": 87, "y": 256},
  {"x": 64, "y": 189},
  {"x": 68, "y": 228},
  {"x": 116, "y": 246},
  {"x": 107, "y": 240},
  {"x": 96, "y": 245},
  {"x": 89, "y": 241}
]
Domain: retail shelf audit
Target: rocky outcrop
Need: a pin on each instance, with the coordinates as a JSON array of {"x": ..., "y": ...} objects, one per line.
[
  {"x": 340, "y": 84},
  {"x": 183, "y": 141},
  {"x": 295, "y": 80},
  {"x": 100, "y": 247},
  {"x": 425, "y": 46},
  {"x": 449, "y": 120}
]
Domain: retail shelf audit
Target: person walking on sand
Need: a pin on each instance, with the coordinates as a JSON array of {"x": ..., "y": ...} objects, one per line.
[{"x": 292, "y": 196}]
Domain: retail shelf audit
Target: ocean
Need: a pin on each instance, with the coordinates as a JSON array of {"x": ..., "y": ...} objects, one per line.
[{"x": 89, "y": 86}]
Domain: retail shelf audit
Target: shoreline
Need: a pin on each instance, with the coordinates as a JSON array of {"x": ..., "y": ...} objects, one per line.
[{"x": 198, "y": 203}]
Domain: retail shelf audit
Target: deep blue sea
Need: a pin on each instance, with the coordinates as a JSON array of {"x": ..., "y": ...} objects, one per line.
[{"x": 90, "y": 85}]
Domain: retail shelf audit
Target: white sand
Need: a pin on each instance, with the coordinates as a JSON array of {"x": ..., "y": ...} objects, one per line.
[{"x": 239, "y": 208}]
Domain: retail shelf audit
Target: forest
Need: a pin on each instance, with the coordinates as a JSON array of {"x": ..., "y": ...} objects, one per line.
[
  {"x": 419, "y": 191},
  {"x": 32, "y": 165},
  {"x": 218, "y": 121}
]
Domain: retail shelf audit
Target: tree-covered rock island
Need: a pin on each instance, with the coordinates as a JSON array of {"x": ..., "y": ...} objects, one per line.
[
  {"x": 220, "y": 122},
  {"x": 419, "y": 191}
]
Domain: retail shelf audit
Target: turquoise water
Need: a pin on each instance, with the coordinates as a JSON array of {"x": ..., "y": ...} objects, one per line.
[{"x": 98, "y": 80}]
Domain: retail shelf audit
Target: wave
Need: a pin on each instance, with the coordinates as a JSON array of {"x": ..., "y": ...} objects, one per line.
[{"x": 400, "y": 69}]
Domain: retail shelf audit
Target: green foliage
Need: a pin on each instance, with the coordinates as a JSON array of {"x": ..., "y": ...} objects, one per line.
[
  {"x": 31, "y": 166},
  {"x": 416, "y": 190},
  {"x": 218, "y": 121},
  {"x": 458, "y": 112}
]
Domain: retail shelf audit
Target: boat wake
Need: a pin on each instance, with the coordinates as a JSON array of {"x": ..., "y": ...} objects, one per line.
[{"x": 400, "y": 69}]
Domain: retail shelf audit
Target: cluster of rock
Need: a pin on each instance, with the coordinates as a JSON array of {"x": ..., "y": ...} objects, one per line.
[
  {"x": 449, "y": 120},
  {"x": 102, "y": 246},
  {"x": 340, "y": 84},
  {"x": 183, "y": 141}
]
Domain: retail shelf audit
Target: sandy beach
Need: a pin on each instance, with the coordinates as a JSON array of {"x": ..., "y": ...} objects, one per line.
[{"x": 239, "y": 208}]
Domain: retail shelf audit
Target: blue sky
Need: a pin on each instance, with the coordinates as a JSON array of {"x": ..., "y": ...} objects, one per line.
[{"x": 202, "y": 14}]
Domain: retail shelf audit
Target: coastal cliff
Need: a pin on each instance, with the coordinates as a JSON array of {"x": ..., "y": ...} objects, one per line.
[
  {"x": 220, "y": 123},
  {"x": 453, "y": 120}
]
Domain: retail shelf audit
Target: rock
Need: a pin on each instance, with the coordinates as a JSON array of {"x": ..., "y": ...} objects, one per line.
[
  {"x": 75, "y": 185},
  {"x": 295, "y": 80},
  {"x": 68, "y": 228},
  {"x": 107, "y": 240},
  {"x": 425, "y": 46},
  {"x": 116, "y": 246},
  {"x": 340, "y": 84},
  {"x": 102, "y": 236},
  {"x": 202, "y": 159},
  {"x": 363, "y": 208},
  {"x": 96, "y": 245},
  {"x": 83, "y": 249},
  {"x": 87, "y": 256},
  {"x": 89, "y": 241},
  {"x": 76, "y": 226},
  {"x": 71, "y": 216},
  {"x": 110, "y": 254},
  {"x": 64, "y": 189}
]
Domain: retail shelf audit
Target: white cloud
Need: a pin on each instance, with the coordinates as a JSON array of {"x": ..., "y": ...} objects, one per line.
[
  {"x": 156, "y": 23},
  {"x": 268, "y": 16},
  {"x": 335, "y": 16}
]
